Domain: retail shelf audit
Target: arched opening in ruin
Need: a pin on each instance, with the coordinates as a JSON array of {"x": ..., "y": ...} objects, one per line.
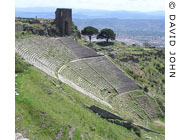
[{"x": 66, "y": 28}]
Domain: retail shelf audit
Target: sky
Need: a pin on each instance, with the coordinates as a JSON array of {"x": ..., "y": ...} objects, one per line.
[{"x": 129, "y": 5}]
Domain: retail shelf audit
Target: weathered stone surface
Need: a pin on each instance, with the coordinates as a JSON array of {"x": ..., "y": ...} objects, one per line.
[
  {"x": 80, "y": 51},
  {"x": 19, "y": 118},
  {"x": 18, "y": 136},
  {"x": 18, "y": 28},
  {"x": 50, "y": 91},
  {"x": 43, "y": 125},
  {"x": 63, "y": 21},
  {"x": 121, "y": 82},
  {"x": 144, "y": 102},
  {"x": 59, "y": 133},
  {"x": 17, "y": 94},
  {"x": 82, "y": 135},
  {"x": 43, "y": 113},
  {"x": 71, "y": 131},
  {"x": 92, "y": 128}
]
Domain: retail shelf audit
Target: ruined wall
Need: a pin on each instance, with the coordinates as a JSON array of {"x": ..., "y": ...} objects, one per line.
[
  {"x": 103, "y": 113},
  {"x": 107, "y": 115},
  {"x": 63, "y": 21},
  {"x": 18, "y": 28}
]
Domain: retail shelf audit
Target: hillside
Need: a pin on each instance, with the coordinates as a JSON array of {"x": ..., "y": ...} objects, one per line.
[
  {"x": 45, "y": 111},
  {"x": 119, "y": 78},
  {"x": 48, "y": 109}
]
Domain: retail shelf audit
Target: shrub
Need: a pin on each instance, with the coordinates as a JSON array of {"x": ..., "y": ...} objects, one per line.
[
  {"x": 19, "y": 68},
  {"x": 112, "y": 55},
  {"x": 138, "y": 132},
  {"x": 129, "y": 123},
  {"x": 134, "y": 45},
  {"x": 146, "y": 89},
  {"x": 160, "y": 103},
  {"x": 20, "y": 65}
]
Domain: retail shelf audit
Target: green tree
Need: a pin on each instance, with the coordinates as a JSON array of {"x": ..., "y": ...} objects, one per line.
[
  {"x": 106, "y": 34},
  {"x": 89, "y": 31}
]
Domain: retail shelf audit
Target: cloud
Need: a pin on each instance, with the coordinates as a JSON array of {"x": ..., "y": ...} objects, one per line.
[{"x": 131, "y": 5}]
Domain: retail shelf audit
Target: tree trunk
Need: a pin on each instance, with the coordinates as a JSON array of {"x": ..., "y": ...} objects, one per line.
[
  {"x": 90, "y": 38},
  {"x": 107, "y": 39}
]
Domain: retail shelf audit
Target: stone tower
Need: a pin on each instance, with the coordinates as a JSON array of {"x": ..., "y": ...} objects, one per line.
[{"x": 63, "y": 21}]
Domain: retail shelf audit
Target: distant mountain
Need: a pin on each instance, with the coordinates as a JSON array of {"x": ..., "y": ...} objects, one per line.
[
  {"x": 123, "y": 22},
  {"x": 48, "y": 12},
  {"x": 117, "y": 14},
  {"x": 36, "y": 9},
  {"x": 145, "y": 27},
  {"x": 34, "y": 14}
]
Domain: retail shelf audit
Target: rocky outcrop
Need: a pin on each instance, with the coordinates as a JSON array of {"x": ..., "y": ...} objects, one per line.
[
  {"x": 71, "y": 131},
  {"x": 59, "y": 133},
  {"x": 18, "y": 28},
  {"x": 19, "y": 136},
  {"x": 43, "y": 27}
]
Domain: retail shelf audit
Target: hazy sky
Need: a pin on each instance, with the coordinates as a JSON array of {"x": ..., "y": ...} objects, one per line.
[{"x": 130, "y": 5}]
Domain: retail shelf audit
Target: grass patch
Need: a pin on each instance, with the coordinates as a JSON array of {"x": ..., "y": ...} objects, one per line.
[
  {"x": 20, "y": 64},
  {"x": 40, "y": 115}
]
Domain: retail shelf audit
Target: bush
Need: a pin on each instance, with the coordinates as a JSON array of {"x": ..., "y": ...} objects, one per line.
[
  {"x": 138, "y": 132},
  {"x": 112, "y": 55},
  {"x": 160, "y": 103},
  {"x": 146, "y": 89},
  {"x": 130, "y": 121},
  {"x": 20, "y": 65},
  {"x": 129, "y": 124},
  {"x": 19, "y": 68}
]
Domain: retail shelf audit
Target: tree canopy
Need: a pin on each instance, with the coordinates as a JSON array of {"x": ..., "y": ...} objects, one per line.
[
  {"x": 106, "y": 34},
  {"x": 89, "y": 31}
]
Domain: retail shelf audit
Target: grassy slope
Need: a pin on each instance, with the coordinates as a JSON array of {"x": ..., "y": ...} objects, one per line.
[
  {"x": 40, "y": 115},
  {"x": 63, "y": 108},
  {"x": 66, "y": 107}
]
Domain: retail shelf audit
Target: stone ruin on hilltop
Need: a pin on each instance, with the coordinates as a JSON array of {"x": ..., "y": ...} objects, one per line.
[
  {"x": 63, "y": 21},
  {"x": 61, "y": 26}
]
